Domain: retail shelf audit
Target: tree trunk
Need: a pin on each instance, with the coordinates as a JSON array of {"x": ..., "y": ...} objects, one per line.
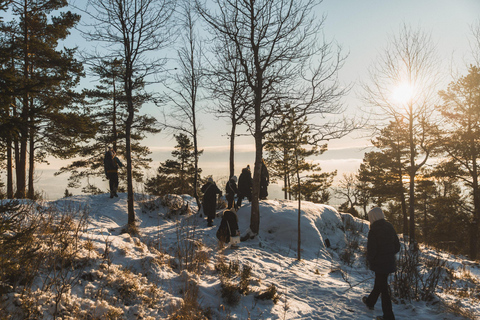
[
  {"x": 285, "y": 175},
  {"x": 114, "y": 116},
  {"x": 31, "y": 163},
  {"x": 128, "y": 149},
  {"x": 404, "y": 212},
  {"x": 257, "y": 172},
  {"x": 412, "y": 180},
  {"x": 425, "y": 222},
  {"x": 299, "y": 241},
  {"x": 195, "y": 179},
  {"x": 476, "y": 203},
  {"x": 21, "y": 169},
  {"x": 232, "y": 149},
  {"x": 9, "y": 169}
]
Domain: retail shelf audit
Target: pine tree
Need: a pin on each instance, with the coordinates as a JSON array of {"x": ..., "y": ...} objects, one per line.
[
  {"x": 384, "y": 171},
  {"x": 108, "y": 109},
  {"x": 175, "y": 176},
  {"x": 288, "y": 144},
  {"x": 460, "y": 112},
  {"x": 43, "y": 104}
]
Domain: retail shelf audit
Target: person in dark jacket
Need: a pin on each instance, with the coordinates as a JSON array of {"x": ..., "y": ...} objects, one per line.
[
  {"x": 244, "y": 186},
  {"x": 264, "y": 181},
  {"x": 230, "y": 191},
  {"x": 210, "y": 191},
  {"x": 382, "y": 245},
  {"x": 228, "y": 226},
  {"x": 111, "y": 164}
]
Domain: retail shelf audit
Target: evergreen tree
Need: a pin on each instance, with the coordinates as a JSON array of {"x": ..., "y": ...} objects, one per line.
[
  {"x": 9, "y": 122},
  {"x": 43, "y": 104},
  {"x": 175, "y": 176},
  {"x": 287, "y": 151},
  {"x": 108, "y": 109},
  {"x": 383, "y": 171},
  {"x": 447, "y": 214},
  {"x": 460, "y": 112}
]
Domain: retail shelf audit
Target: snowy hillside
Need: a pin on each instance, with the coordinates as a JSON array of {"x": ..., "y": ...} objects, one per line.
[{"x": 176, "y": 262}]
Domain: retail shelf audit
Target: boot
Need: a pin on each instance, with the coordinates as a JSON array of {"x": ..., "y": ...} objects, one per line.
[{"x": 364, "y": 300}]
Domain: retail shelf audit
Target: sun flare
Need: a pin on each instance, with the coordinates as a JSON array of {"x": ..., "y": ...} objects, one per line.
[{"x": 402, "y": 93}]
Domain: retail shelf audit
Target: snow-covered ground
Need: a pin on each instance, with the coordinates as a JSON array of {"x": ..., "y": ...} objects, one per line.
[{"x": 146, "y": 277}]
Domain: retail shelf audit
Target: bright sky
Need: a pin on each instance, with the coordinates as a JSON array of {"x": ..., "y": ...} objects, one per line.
[{"x": 362, "y": 28}]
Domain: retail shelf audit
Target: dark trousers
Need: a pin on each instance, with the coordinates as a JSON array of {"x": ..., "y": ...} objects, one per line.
[
  {"x": 239, "y": 200},
  {"x": 231, "y": 201},
  {"x": 113, "y": 181},
  {"x": 381, "y": 288}
]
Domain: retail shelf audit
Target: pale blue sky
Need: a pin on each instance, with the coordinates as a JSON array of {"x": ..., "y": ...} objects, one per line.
[{"x": 362, "y": 28}]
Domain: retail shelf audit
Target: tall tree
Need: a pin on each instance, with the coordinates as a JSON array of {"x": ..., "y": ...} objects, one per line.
[
  {"x": 385, "y": 169},
  {"x": 402, "y": 85},
  {"x": 185, "y": 98},
  {"x": 9, "y": 123},
  {"x": 44, "y": 101},
  {"x": 229, "y": 90},
  {"x": 460, "y": 112},
  {"x": 282, "y": 60},
  {"x": 107, "y": 104},
  {"x": 133, "y": 30}
]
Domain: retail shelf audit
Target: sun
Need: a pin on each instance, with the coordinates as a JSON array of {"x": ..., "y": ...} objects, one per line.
[{"x": 403, "y": 93}]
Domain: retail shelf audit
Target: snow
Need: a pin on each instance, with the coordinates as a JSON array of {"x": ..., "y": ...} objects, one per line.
[{"x": 144, "y": 276}]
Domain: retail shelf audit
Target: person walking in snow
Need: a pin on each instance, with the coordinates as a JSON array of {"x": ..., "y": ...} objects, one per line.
[
  {"x": 210, "y": 191},
  {"x": 264, "y": 181},
  {"x": 230, "y": 191},
  {"x": 382, "y": 245},
  {"x": 111, "y": 164},
  {"x": 228, "y": 226},
  {"x": 244, "y": 186}
]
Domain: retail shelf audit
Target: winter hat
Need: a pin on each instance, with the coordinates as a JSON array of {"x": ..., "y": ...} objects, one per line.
[
  {"x": 234, "y": 178},
  {"x": 375, "y": 214},
  {"x": 248, "y": 166},
  {"x": 210, "y": 179}
]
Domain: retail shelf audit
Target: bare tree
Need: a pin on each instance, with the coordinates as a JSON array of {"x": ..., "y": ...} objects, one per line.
[
  {"x": 347, "y": 188},
  {"x": 475, "y": 42},
  {"x": 133, "y": 31},
  {"x": 183, "y": 115},
  {"x": 283, "y": 62},
  {"x": 403, "y": 86},
  {"x": 228, "y": 88}
]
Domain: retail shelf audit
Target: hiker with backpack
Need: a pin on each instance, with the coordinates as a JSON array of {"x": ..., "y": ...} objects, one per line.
[{"x": 228, "y": 231}]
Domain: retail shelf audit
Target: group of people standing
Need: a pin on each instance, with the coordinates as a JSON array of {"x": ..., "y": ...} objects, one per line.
[{"x": 241, "y": 191}]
